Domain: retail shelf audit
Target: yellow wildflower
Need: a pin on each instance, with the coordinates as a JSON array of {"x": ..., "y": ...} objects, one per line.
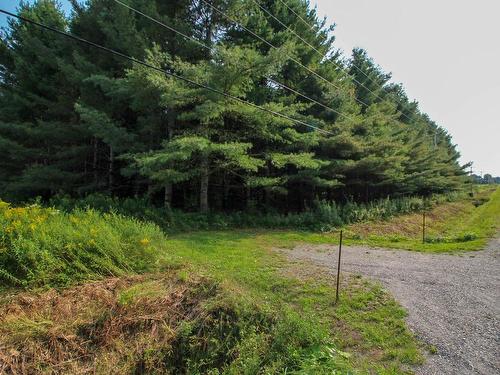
[{"x": 144, "y": 242}]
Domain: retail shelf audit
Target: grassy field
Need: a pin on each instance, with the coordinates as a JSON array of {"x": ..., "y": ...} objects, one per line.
[
  {"x": 464, "y": 225},
  {"x": 467, "y": 224},
  {"x": 208, "y": 302},
  {"x": 104, "y": 292}
]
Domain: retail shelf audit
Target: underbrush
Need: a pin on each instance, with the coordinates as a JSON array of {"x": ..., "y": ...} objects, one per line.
[
  {"x": 165, "y": 324},
  {"x": 44, "y": 246},
  {"x": 323, "y": 216}
]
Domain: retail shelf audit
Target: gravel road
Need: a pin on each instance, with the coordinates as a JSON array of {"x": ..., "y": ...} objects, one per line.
[{"x": 453, "y": 301}]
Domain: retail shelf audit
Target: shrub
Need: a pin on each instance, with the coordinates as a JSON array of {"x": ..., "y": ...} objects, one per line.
[
  {"x": 323, "y": 216},
  {"x": 42, "y": 246}
]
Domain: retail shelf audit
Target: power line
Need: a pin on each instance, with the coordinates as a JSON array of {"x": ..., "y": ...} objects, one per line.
[
  {"x": 140, "y": 62},
  {"x": 268, "y": 43},
  {"x": 297, "y": 15},
  {"x": 201, "y": 44},
  {"x": 305, "y": 22},
  {"x": 288, "y": 28},
  {"x": 313, "y": 47},
  {"x": 319, "y": 52}
]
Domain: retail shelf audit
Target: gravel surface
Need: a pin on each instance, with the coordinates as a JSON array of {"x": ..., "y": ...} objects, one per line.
[{"x": 453, "y": 301}]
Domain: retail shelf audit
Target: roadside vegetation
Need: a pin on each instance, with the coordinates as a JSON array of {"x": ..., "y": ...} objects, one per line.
[
  {"x": 98, "y": 291},
  {"x": 322, "y": 216},
  {"x": 467, "y": 224},
  {"x": 90, "y": 289},
  {"x": 44, "y": 246}
]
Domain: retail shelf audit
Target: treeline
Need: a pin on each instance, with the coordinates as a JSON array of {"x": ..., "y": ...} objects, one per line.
[
  {"x": 78, "y": 120},
  {"x": 486, "y": 179}
]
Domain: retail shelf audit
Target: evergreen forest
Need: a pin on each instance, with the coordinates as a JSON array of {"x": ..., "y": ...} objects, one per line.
[{"x": 230, "y": 105}]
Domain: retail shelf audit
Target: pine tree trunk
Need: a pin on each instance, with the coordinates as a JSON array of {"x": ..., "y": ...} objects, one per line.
[
  {"x": 110, "y": 170},
  {"x": 168, "y": 196},
  {"x": 94, "y": 161},
  {"x": 204, "y": 187}
]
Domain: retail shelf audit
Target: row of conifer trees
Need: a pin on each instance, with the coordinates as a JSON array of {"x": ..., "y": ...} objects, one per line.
[{"x": 78, "y": 120}]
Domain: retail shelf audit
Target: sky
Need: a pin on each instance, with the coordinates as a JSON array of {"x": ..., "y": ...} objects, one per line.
[{"x": 446, "y": 53}]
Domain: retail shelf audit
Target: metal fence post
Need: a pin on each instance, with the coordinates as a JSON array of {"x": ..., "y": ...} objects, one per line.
[
  {"x": 338, "y": 268},
  {"x": 423, "y": 226}
]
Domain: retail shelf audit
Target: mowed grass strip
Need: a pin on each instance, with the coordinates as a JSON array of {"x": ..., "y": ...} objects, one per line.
[
  {"x": 468, "y": 224},
  {"x": 367, "y": 328}
]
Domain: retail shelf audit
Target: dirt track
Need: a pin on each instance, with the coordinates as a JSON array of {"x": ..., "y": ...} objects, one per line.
[{"x": 453, "y": 301}]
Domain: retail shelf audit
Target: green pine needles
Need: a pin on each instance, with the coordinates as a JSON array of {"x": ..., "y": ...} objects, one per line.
[{"x": 76, "y": 120}]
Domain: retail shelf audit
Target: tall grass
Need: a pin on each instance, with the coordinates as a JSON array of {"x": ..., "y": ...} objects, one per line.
[
  {"x": 323, "y": 216},
  {"x": 45, "y": 246}
]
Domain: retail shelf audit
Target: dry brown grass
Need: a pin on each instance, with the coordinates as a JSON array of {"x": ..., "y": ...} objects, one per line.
[
  {"x": 411, "y": 225},
  {"x": 109, "y": 326}
]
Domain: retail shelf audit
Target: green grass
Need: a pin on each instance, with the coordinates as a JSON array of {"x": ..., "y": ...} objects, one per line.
[
  {"x": 367, "y": 323},
  {"x": 451, "y": 227},
  {"x": 465, "y": 225},
  {"x": 258, "y": 313},
  {"x": 43, "y": 246}
]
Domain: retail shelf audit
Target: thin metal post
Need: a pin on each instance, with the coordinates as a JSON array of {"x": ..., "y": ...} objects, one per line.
[
  {"x": 338, "y": 268},
  {"x": 423, "y": 226}
]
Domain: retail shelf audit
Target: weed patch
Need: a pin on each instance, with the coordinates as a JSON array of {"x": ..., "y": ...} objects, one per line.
[{"x": 44, "y": 246}]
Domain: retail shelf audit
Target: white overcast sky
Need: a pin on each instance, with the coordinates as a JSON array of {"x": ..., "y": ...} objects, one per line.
[
  {"x": 445, "y": 52},
  {"x": 447, "y": 55}
]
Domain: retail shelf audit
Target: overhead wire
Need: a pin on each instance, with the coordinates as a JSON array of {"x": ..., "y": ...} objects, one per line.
[
  {"x": 174, "y": 75},
  {"x": 212, "y": 49},
  {"x": 268, "y": 43},
  {"x": 319, "y": 52}
]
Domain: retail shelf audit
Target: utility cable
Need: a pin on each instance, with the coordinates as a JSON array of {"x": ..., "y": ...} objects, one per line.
[
  {"x": 143, "y": 63},
  {"x": 211, "y": 49}
]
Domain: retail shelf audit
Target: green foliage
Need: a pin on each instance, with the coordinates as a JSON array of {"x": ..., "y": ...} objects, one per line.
[
  {"x": 454, "y": 223},
  {"x": 44, "y": 246},
  {"x": 76, "y": 120},
  {"x": 322, "y": 216},
  {"x": 237, "y": 337}
]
